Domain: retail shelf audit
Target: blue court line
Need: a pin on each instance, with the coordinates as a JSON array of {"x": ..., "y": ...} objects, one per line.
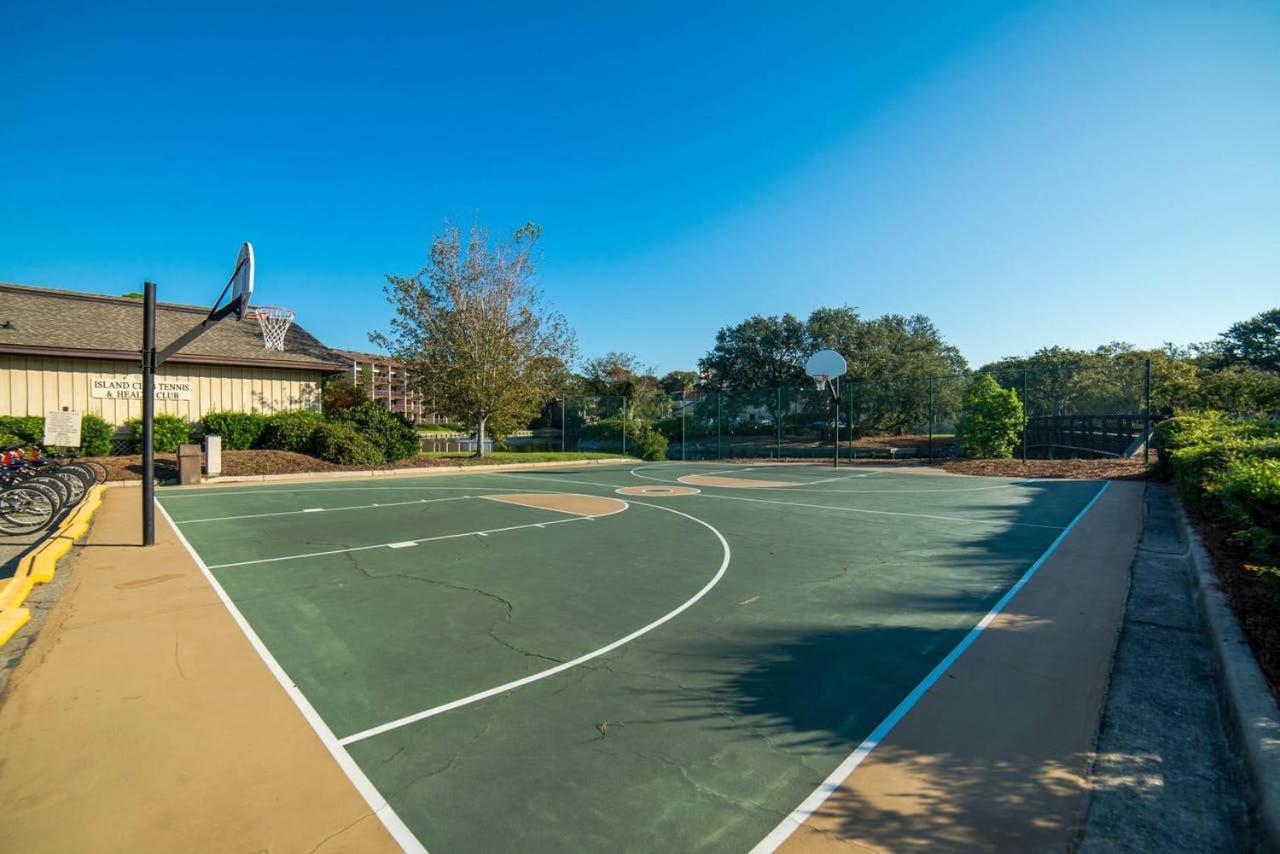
[{"x": 833, "y": 782}]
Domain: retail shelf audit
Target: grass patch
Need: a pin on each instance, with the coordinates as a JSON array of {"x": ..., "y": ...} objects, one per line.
[{"x": 464, "y": 458}]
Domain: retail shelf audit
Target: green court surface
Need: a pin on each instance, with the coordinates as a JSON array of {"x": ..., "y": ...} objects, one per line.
[{"x": 678, "y": 675}]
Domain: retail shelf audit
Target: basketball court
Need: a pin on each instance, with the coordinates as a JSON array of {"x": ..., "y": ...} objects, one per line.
[{"x": 659, "y": 656}]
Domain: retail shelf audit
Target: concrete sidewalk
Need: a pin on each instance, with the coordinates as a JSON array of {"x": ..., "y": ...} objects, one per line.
[
  {"x": 1166, "y": 777},
  {"x": 996, "y": 755},
  {"x": 141, "y": 719}
]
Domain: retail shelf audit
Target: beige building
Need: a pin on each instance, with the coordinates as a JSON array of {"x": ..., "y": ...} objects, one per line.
[{"x": 65, "y": 349}]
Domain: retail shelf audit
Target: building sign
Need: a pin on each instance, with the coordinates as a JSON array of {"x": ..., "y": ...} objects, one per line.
[
  {"x": 130, "y": 388},
  {"x": 62, "y": 428}
]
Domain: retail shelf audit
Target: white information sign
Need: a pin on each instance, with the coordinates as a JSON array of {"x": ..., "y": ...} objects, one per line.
[
  {"x": 130, "y": 388},
  {"x": 62, "y": 428}
]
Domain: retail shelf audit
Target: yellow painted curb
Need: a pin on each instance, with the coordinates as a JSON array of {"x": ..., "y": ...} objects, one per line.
[{"x": 38, "y": 566}]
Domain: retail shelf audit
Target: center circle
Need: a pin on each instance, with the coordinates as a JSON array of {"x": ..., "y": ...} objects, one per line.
[{"x": 657, "y": 491}]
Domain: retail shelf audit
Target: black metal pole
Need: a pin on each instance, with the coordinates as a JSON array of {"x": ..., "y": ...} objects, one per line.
[
  {"x": 1146, "y": 393},
  {"x": 684, "y": 443},
  {"x": 624, "y": 425},
  {"x": 777, "y": 452},
  {"x": 835, "y": 427},
  {"x": 148, "y": 413},
  {"x": 1024, "y": 415},
  {"x": 562, "y": 426},
  {"x": 719, "y": 453},
  {"x": 930, "y": 420}
]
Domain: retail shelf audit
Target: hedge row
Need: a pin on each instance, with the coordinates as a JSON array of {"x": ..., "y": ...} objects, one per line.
[
  {"x": 1228, "y": 470},
  {"x": 95, "y": 433},
  {"x": 366, "y": 433}
]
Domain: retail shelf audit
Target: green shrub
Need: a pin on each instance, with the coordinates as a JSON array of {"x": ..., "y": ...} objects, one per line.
[
  {"x": 1202, "y": 428},
  {"x": 292, "y": 431},
  {"x": 342, "y": 442},
  {"x": 240, "y": 431},
  {"x": 95, "y": 436},
  {"x": 390, "y": 432},
  {"x": 649, "y": 444},
  {"x": 1247, "y": 491},
  {"x": 339, "y": 395},
  {"x": 95, "y": 433},
  {"x": 28, "y": 428},
  {"x": 10, "y": 438},
  {"x": 991, "y": 424},
  {"x": 170, "y": 432}
]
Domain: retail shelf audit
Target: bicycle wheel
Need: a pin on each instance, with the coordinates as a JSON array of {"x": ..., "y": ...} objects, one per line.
[
  {"x": 75, "y": 481},
  {"x": 24, "y": 509},
  {"x": 84, "y": 475},
  {"x": 51, "y": 482},
  {"x": 98, "y": 469}
]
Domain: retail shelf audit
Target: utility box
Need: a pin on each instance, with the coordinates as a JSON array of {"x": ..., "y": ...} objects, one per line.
[
  {"x": 190, "y": 458},
  {"x": 213, "y": 455}
]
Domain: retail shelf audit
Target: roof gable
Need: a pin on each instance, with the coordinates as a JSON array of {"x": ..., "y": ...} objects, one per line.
[{"x": 44, "y": 318}]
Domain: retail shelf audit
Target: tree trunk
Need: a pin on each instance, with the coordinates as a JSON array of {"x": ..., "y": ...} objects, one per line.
[{"x": 480, "y": 437}]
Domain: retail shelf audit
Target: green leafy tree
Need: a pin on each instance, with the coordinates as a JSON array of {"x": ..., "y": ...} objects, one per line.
[
  {"x": 1253, "y": 343},
  {"x": 472, "y": 329},
  {"x": 759, "y": 352},
  {"x": 992, "y": 421},
  {"x": 340, "y": 394},
  {"x": 678, "y": 382}
]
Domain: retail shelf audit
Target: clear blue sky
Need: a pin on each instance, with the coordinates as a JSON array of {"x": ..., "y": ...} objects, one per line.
[{"x": 1024, "y": 173}]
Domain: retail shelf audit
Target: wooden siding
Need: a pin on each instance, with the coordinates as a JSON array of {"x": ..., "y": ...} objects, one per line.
[{"x": 34, "y": 385}]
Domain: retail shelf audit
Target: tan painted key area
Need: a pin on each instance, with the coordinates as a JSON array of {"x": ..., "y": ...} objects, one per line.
[{"x": 578, "y": 505}]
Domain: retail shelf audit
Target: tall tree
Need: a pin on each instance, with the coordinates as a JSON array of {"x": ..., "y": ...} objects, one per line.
[
  {"x": 678, "y": 382},
  {"x": 759, "y": 352},
  {"x": 1254, "y": 343},
  {"x": 618, "y": 375},
  {"x": 473, "y": 329}
]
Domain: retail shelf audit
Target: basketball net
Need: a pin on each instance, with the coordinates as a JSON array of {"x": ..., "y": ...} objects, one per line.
[{"x": 274, "y": 323}]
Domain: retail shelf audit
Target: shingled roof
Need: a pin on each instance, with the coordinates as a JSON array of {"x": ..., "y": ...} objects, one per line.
[{"x": 70, "y": 324}]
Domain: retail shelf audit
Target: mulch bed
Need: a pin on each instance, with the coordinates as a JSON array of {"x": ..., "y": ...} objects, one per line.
[
  {"x": 1106, "y": 469},
  {"x": 1254, "y": 596}
]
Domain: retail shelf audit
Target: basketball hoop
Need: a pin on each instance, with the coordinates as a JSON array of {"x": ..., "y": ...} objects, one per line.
[
  {"x": 820, "y": 380},
  {"x": 274, "y": 322}
]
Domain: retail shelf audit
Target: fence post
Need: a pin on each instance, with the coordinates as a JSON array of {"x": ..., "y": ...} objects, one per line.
[
  {"x": 684, "y": 443},
  {"x": 1146, "y": 394},
  {"x": 777, "y": 455},
  {"x": 718, "y": 451},
  {"x": 853, "y": 454},
  {"x": 562, "y": 425},
  {"x": 930, "y": 420},
  {"x": 624, "y": 425},
  {"x": 1024, "y": 415}
]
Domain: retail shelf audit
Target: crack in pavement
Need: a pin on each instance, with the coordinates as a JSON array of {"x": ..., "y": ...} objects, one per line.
[{"x": 515, "y": 648}]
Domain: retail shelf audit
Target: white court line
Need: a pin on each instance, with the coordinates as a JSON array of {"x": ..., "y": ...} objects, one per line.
[
  {"x": 811, "y": 804},
  {"x": 264, "y": 491},
  {"x": 852, "y": 491},
  {"x": 560, "y": 480},
  {"x": 560, "y": 668},
  {"x": 378, "y": 804},
  {"x": 400, "y": 544},
  {"x": 327, "y": 509},
  {"x": 884, "y": 512},
  {"x": 839, "y": 477}
]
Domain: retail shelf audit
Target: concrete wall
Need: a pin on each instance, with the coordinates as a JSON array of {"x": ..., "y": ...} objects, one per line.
[{"x": 33, "y": 385}]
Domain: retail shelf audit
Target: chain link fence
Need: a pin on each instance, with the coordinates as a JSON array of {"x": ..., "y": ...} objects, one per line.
[{"x": 1071, "y": 411}]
